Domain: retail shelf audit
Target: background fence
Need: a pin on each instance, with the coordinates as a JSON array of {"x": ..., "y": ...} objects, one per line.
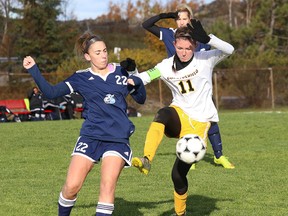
[{"x": 265, "y": 88}]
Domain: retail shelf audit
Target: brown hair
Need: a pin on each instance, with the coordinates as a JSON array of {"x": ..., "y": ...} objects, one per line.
[
  {"x": 85, "y": 41},
  {"x": 184, "y": 33}
]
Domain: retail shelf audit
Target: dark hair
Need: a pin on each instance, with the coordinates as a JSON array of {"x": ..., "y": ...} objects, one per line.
[
  {"x": 85, "y": 41},
  {"x": 184, "y": 33}
]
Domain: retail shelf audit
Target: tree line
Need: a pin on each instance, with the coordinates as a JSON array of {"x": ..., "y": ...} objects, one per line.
[{"x": 257, "y": 29}]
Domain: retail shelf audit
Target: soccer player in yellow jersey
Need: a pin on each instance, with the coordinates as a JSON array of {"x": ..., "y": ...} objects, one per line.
[{"x": 188, "y": 74}]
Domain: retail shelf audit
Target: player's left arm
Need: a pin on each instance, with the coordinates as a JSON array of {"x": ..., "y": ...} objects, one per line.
[
  {"x": 199, "y": 34},
  {"x": 220, "y": 44},
  {"x": 137, "y": 89}
]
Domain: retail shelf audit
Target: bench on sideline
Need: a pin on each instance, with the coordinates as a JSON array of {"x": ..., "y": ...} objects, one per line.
[{"x": 20, "y": 107}]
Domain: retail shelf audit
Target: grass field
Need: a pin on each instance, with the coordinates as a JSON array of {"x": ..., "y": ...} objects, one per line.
[{"x": 35, "y": 156}]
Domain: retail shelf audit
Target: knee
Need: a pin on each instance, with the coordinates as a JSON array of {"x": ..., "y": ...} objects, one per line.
[
  {"x": 163, "y": 115},
  {"x": 70, "y": 190},
  {"x": 180, "y": 183},
  {"x": 181, "y": 191}
]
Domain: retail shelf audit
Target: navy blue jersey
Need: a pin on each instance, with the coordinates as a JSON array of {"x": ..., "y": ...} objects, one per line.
[
  {"x": 104, "y": 100},
  {"x": 167, "y": 36},
  {"x": 104, "y": 103}
]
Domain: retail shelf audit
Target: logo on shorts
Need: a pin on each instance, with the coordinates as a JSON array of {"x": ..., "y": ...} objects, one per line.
[{"x": 109, "y": 99}]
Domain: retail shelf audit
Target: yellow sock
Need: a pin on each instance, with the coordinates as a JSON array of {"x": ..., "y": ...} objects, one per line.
[
  {"x": 180, "y": 203},
  {"x": 153, "y": 139}
]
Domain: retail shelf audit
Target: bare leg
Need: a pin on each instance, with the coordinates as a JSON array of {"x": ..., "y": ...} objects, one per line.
[
  {"x": 77, "y": 172},
  {"x": 110, "y": 172}
]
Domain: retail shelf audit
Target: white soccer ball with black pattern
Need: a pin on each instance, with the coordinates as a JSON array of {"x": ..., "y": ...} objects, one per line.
[{"x": 190, "y": 148}]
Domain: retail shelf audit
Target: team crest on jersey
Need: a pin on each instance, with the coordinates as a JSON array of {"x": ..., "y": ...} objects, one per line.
[{"x": 109, "y": 99}]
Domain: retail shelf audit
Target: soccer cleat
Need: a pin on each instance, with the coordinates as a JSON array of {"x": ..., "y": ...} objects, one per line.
[
  {"x": 224, "y": 162},
  {"x": 143, "y": 164},
  {"x": 193, "y": 167}
]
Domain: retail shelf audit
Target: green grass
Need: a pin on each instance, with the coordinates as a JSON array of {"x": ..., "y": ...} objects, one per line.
[{"x": 35, "y": 156}]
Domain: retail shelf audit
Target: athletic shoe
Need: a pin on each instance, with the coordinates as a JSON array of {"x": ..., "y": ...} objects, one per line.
[
  {"x": 143, "y": 164},
  {"x": 193, "y": 167},
  {"x": 224, "y": 162}
]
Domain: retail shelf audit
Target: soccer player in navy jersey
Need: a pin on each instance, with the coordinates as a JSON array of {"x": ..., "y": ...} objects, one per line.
[
  {"x": 182, "y": 17},
  {"x": 188, "y": 75},
  {"x": 106, "y": 128}
]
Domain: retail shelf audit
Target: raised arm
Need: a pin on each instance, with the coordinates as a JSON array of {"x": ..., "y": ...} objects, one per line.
[
  {"x": 150, "y": 26},
  {"x": 220, "y": 44},
  {"x": 47, "y": 89},
  {"x": 199, "y": 34}
]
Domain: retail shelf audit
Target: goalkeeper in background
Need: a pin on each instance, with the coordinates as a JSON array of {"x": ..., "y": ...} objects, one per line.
[
  {"x": 188, "y": 74},
  {"x": 182, "y": 16}
]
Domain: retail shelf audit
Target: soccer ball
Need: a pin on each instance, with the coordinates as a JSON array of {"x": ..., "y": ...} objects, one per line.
[{"x": 190, "y": 148}]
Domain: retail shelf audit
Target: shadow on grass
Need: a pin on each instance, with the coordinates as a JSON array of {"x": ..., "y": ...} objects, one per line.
[
  {"x": 209, "y": 158},
  {"x": 196, "y": 205},
  {"x": 126, "y": 208},
  {"x": 133, "y": 208}
]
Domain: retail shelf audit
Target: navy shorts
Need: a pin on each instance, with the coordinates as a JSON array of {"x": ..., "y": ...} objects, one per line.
[{"x": 94, "y": 149}]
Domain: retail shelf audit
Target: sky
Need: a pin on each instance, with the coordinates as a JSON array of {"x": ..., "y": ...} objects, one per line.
[{"x": 85, "y": 9}]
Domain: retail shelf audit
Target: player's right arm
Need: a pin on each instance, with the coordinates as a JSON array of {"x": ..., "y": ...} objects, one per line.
[
  {"x": 47, "y": 89},
  {"x": 149, "y": 75},
  {"x": 150, "y": 25}
]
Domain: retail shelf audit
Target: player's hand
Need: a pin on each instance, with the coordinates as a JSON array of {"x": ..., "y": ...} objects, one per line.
[
  {"x": 128, "y": 64},
  {"x": 134, "y": 81},
  {"x": 172, "y": 15},
  {"x": 197, "y": 31},
  {"x": 28, "y": 62},
  {"x": 130, "y": 82}
]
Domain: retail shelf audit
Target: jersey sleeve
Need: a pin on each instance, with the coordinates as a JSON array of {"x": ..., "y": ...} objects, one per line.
[
  {"x": 219, "y": 44},
  {"x": 149, "y": 75},
  {"x": 222, "y": 51},
  {"x": 150, "y": 25},
  {"x": 138, "y": 92},
  {"x": 47, "y": 89},
  {"x": 167, "y": 36}
]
